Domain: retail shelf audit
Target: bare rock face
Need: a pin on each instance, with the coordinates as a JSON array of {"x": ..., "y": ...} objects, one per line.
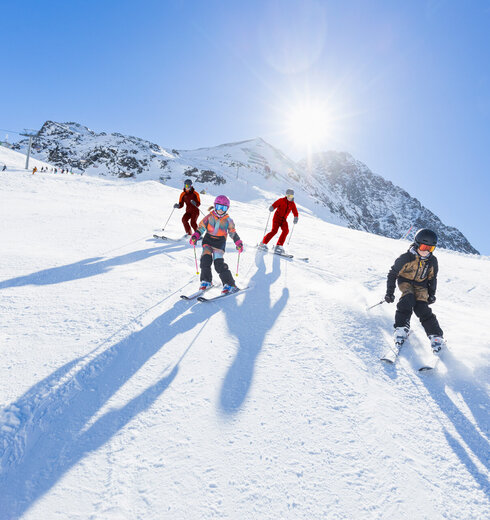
[{"x": 369, "y": 202}]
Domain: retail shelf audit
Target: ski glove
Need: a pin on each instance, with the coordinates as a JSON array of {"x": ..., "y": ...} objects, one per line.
[
  {"x": 272, "y": 208},
  {"x": 176, "y": 205},
  {"x": 389, "y": 298},
  {"x": 431, "y": 299},
  {"x": 295, "y": 220},
  {"x": 239, "y": 246},
  {"x": 194, "y": 238}
]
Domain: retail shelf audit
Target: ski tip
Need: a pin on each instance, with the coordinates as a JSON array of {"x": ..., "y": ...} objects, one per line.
[
  {"x": 425, "y": 369},
  {"x": 386, "y": 360}
]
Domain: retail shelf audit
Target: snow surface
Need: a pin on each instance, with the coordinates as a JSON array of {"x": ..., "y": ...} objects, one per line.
[{"x": 118, "y": 400}]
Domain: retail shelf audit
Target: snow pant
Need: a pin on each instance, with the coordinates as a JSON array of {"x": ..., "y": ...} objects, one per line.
[
  {"x": 192, "y": 216},
  {"x": 414, "y": 299},
  {"x": 276, "y": 224},
  {"x": 213, "y": 248}
]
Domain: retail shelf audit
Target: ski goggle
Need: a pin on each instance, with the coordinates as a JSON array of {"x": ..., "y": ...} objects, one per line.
[
  {"x": 188, "y": 185},
  {"x": 290, "y": 196},
  {"x": 425, "y": 247},
  {"x": 221, "y": 207}
]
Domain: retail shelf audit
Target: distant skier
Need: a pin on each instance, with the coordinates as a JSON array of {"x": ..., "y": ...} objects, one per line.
[
  {"x": 189, "y": 197},
  {"x": 217, "y": 225},
  {"x": 416, "y": 273},
  {"x": 282, "y": 209},
  {"x": 4, "y": 167},
  {"x": 34, "y": 170}
]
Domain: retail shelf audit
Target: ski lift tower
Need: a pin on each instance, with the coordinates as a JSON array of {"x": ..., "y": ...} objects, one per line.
[{"x": 30, "y": 134}]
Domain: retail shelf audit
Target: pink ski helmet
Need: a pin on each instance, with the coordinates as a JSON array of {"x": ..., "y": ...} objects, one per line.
[{"x": 221, "y": 200}]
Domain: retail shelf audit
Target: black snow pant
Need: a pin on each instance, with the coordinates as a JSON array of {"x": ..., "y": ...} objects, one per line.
[
  {"x": 408, "y": 304},
  {"x": 221, "y": 268}
]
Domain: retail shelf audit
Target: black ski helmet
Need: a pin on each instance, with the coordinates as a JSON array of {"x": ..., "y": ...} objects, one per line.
[
  {"x": 188, "y": 182},
  {"x": 290, "y": 192},
  {"x": 425, "y": 236}
]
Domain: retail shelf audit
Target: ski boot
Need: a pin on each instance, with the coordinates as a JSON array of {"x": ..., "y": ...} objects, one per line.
[
  {"x": 436, "y": 342},
  {"x": 204, "y": 285},
  {"x": 279, "y": 250},
  {"x": 400, "y": 335},
  {"x": 229, "y": 289},
  {"x": 262, "y": 247}
]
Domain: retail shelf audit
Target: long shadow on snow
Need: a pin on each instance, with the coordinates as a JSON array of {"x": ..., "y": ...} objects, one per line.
[
  {"x": 58, "y": 438},
  {"x": 459, "y": 380},
  {"x": 250, "y": 322},
  {"x": 86, "y": 268}
]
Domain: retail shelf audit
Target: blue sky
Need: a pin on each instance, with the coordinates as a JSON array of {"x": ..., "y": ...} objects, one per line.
[{"x": 405, "y": 85}]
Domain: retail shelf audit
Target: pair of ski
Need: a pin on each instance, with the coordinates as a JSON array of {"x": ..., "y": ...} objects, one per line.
[
  {"x": 163, "y": 237},
  {"x": 199, "y": 295},
  {"x": 278, "y": 253},
  {"x": 391, "y": 356}
]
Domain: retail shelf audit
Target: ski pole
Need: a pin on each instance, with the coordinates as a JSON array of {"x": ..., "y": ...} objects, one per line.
[
  {"x": 267, "y": 225},
  {"x": 289, "y": 240},
  {"x": 195, "y": 258},
  {"x": 375, "y": 305},
  {"x": 200, "y": 210},
  {"x": 237, "y": 264},
  {"x": 163, "y": 228}
]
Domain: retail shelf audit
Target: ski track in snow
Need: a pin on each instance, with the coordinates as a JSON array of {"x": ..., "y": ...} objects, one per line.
[{"x": 122, "y": 401}]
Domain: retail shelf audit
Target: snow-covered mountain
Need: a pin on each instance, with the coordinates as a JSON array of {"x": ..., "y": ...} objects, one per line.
[
  {"x": 119, "y": 400},
  {"x": 333, "y": 185},
  {"x": 369, "y": 202}
]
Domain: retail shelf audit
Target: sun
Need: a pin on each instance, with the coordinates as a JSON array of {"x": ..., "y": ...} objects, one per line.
[{"x": 307, "y": 124}]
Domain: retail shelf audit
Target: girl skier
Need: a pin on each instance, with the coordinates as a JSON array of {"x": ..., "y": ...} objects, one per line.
[
  {"x": 416, "y": 272},
  {"x": 217, "y": 225}
]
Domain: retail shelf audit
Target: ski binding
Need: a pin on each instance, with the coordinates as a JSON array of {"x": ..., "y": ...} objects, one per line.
[{"x": 196, "y": 294}]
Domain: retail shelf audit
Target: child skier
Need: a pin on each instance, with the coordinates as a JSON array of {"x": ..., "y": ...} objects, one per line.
[
  {"x": 416, "y": 272},
  {"x": 192, "y": 201},
  {"x": 217, "y": 225},
  {"x": 282, "y": 207}
]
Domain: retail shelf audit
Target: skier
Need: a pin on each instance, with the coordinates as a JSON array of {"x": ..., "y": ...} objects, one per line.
[
  {"x": 34, "y": 170},
  {"x": 282, "y": 207},
  {"x": 4, "y": 167},
  {"x": 217, "y": 225},
  {"x": 189, "y": 197},
  {"x": 416, "y": 272}
]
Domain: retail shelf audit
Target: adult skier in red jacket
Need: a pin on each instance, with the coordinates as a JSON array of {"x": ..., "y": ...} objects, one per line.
[
  {"x": 282, "y": 208},
  {"x": 192, "y": 201}
]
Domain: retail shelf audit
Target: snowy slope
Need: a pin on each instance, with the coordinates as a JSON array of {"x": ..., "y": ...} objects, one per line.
[
  {"x": 333, "y": 186},
  {"x": 120, "y": 401},
  {"x": 15, "y": 161}
]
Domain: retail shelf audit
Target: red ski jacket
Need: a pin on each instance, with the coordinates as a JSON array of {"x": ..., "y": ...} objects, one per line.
[
  {"x": 186, "y": 197},
  {"x": 283, "y": 208}
]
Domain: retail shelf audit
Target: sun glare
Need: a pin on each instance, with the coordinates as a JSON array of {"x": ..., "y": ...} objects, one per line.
[{"x": 307, "y": 125}]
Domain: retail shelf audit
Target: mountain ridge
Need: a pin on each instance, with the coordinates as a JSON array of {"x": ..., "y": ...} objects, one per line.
[{"x": 333, "y": 184}]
